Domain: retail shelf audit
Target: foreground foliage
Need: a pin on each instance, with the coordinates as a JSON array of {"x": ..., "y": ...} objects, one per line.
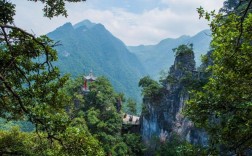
[
  {"x": 223, "y": 106},
  {"x": 178, "y": 147},
  {"x": 30, "y": 87},
  {"x": 77, "y": 141},
  {"x": 66, "y": 121},
  {"x": 104, "y": 121}
]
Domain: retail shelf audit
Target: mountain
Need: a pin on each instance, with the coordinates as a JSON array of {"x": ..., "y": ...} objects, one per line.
[
  {"x": 88, "y": 46},
  {"x": 160, "y": 56}
]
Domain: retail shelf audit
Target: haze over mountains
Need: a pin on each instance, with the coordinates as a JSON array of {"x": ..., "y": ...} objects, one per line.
[
  {"x": 160, "y": 56},
  {"x": 88, "y": 46}
]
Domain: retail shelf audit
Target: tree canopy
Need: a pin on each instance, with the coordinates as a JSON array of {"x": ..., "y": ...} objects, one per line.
[
  {"x": 32, "y": 89},
  {"x": 55, "y": 7},
  {"x": 30, "y": 85},
  {"x": 223, "y": 106},
  {"x": 150, "y": 88}
]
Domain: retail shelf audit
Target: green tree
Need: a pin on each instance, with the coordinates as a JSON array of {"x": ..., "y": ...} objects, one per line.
[
  {"x": 178, "y": 147},
  {"x": 223, "y": 106},
  {"x": 32, "y": 89},
  {"x": 98, "y": 108},
  {"x": 103, "y": 120},
  {"x": 134, "y": 143},
  {"x": 55, "y": 7},
  {"x": 150, "y": 88},
  {"x": 77, "y": 141},
  {"x": 131, "y": 106}
]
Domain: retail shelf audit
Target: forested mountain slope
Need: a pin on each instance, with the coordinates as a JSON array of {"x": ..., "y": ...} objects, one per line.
[
  {"x": 160, "y": 56},
  {"x": 87, "y": 46}
]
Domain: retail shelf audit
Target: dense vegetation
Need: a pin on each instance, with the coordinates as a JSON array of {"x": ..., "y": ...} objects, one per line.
[
  {"x": 56, "y": 117},
  {"x": 181, "y": 72},
  {"x": 102, "y": 117},
  {"x": 162, "y": 104},
  {"x": 223, "y": 105},
  {"x": 88, "y": 46}
]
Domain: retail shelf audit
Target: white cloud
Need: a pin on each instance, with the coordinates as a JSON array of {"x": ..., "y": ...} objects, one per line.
[
  {"x": 176, "y": 18},
  {"x": 183, "y": 4}
]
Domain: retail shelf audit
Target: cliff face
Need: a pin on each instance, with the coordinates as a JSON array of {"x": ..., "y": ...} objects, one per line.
[{"x": 166, "y": 113}]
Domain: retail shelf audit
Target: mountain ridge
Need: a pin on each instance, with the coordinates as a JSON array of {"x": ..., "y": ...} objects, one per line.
[
  {"x": 160, "y": 56},
  {"x": 86, "y": 48},
  {"x": 89, "y": 46}
]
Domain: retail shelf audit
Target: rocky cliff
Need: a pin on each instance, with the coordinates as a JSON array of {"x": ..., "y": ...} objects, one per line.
[{"x": 165, "y": 114}]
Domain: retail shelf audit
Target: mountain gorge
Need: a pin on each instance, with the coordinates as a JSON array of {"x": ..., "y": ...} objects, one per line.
[{"x": 88, "y": 46}]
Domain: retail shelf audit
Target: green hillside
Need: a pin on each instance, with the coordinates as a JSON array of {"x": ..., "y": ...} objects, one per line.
[{"x": 87, "y": 46}]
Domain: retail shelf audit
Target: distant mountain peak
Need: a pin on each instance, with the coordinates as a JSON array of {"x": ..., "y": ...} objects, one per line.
[
  {"x": 203, "y": 33},
  {"x": 64, "y": 28},
  {"x": 160, "y": 56},
  {"x": 87, "y": 23},
  {"x": 181, "y": 38},
  {"x": 92, "y": 46},
  {"x": 208, "y": 31}
]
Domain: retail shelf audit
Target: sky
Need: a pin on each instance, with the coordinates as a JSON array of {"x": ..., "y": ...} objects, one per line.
[{"x": 135, "y": 22}]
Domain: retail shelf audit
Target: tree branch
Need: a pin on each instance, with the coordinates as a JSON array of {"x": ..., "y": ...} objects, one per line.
[
  {"x": 241, "y": 26},
  {"x": 243, "y": 142},
  {"x": 34, "y": 39},
  {"x": 9, "y": 88}
]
